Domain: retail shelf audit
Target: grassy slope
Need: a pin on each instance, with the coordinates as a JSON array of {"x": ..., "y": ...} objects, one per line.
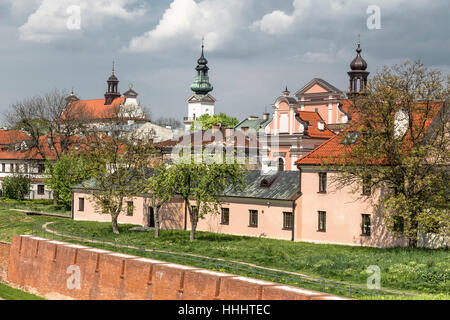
[
  {"x": 34, "y": 205},
  {"x": 415, "y": 270},
  {"x": 9, "y": 293}
]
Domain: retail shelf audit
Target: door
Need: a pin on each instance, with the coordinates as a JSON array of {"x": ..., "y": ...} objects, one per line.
[{"x": 151, "y": 217}]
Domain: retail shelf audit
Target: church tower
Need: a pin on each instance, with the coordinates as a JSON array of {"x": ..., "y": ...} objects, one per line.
[
  {"x": 201, "y": 102},
  {"x": 358, "y": 74},
  {"x": 113, "y": 88}
]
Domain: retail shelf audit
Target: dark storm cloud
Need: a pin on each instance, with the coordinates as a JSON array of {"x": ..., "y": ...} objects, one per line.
[{"x": 249, "y": 66}]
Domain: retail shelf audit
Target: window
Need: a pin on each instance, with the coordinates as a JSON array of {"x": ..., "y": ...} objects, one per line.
[
  {"x": 41, "y": 168},
  {"x": 40, "y": 189},
  {"x": 25, "y": 168},
  {"x": 130, "y": 208},
  {"x": 225, "y": 217},
  {"x": 3, "y": 167},
  {"x": 365, "y": 225},
  {"x": 80, "y": 204},
  {"x": 322, "y": 182},
  {"x": 280, "y": 164},
  {"x": 253, "y": 218},
  {"x": 322, "y": 226},
  {"x": 287, "y": 220},
  {"x": 284, "y": 123}
]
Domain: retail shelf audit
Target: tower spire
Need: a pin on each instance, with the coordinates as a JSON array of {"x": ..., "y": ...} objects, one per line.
[
  {"x": 201, "y": 85},
  {"x": 358, "y": 74},
  {"x": 112, "y": 91}
]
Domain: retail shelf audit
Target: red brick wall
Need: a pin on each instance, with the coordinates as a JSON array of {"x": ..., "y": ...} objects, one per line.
[
  {"x": 4, "y": 260},
  {"x": 41, "y": 266}
]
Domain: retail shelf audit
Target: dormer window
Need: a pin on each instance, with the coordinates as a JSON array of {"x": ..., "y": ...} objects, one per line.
[{"x": 321, "y": 125}]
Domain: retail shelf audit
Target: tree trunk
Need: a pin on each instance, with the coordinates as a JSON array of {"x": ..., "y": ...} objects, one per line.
[
  {"x": 412, "y": 242},
  {"x": 156, "y": 217},
  {"x": 115, "y": 226},
  {"x": 414, "y": 227},
  {"x": 194, "y": 220}
]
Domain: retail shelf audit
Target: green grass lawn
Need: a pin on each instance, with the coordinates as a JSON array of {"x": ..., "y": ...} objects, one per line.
[
  {"x": 35, "y": 205},
  {"x": 8, "y": 293},
  {"x": 418, "y": 271}
]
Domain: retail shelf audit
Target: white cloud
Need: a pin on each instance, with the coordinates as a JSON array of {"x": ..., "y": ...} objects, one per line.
[
  {"x": 49, "y": 21},
  {"x": 185, "y": 22},
  {"x": 278, "y": 22},
  {"x": 21, "y": 7}
]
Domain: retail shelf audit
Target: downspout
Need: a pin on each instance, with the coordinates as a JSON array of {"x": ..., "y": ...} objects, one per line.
[
  {"x": 73, "y": 204},
  {"x": 293, "y": 220},
  {"x": 185, "y": 216}
]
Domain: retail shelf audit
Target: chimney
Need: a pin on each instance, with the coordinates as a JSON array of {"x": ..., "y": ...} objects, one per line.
[
  {"x": 266, "y": 116},
  {"x": 321, "y": 125}
]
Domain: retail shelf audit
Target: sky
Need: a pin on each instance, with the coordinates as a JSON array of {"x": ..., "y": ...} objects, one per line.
[{"x": 255, "y": 48}]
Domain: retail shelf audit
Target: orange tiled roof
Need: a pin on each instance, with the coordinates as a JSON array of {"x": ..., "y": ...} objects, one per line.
[
  {"x": 313, "y": 131},
  {"x": 96, "y": 108},
  {"x": 12, "y": 136},
  {"x": 333, "y": 149}
]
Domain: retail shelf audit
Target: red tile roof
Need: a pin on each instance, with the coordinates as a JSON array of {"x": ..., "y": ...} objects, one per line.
[
  {"x": 313, "y": 131},
  {"x": 333, "y": 150},
  {"x": 95, "y": 109},
  {"x": 12, "y": 136}
]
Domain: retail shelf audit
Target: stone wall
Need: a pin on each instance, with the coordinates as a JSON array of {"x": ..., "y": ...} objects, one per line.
[{"x": 4, "y": 260}]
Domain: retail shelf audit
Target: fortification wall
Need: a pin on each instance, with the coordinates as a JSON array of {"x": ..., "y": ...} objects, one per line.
[
  {"x": 55, "y": 269},
  {"x": 4, "y": 260}
]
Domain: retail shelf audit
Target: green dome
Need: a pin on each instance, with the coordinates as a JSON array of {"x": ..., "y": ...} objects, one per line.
[{"x": 201, "y": 83}]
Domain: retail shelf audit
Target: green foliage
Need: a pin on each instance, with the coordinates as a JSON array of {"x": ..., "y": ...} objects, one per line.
[
  {"x": 208, "y": 121},
  {"x": 203, "y": 183},
  {"x": 118, "y": 170},
  {"x": 16, "y": 186},
  {"x": 68, "y": 171},
  {"x": 401, "y": 149}
]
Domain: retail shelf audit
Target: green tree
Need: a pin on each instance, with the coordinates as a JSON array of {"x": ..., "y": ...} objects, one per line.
[
  {"x": 208, "y": 121},
  {"x": 397, "y": 146},
  {"x": 16, "y": 186},
  {"x": 203, "y": 183},
  {"x": 69, "y": 170},
  {"x": 118, "y": 167},
  {"x": 162, "y": 191}
]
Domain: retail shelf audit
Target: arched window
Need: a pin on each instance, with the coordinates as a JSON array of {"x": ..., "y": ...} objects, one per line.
[{"x": 280, "y": 164}]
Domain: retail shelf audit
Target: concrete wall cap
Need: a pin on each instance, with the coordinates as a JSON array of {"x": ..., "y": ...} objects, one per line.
[
  {"x": 298, "y": 290},
  {"x": 122, "y": 255},
  {"x": 256, "y": 281},
  {"x": 149, "y": 260}
]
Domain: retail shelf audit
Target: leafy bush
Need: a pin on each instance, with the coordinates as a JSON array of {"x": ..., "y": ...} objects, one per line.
[{"x": 16, "y": 187}]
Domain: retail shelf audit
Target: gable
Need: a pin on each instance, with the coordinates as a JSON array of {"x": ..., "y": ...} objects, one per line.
[
  {"x": 316, "y": 89},
  {"x": 315, "y": 86}
]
